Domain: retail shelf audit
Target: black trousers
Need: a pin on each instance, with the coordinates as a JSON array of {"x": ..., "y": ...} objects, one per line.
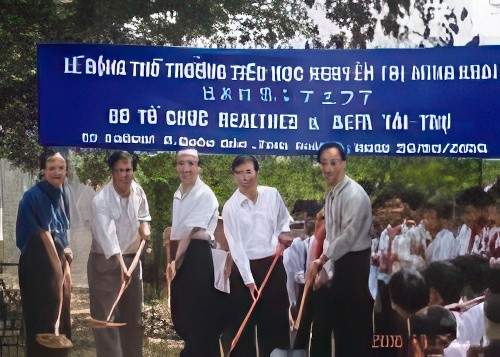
[
  {"x": 40, "y": 288},
  {"x": 345, "y": 307},
  {"x": 304, "y": 331},
  {"x": 270, "y": 315},
  {"x": 195, "y": 304}
]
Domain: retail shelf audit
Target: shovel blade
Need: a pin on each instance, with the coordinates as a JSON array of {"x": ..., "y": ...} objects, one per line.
[{"x": 51, "y": 340}]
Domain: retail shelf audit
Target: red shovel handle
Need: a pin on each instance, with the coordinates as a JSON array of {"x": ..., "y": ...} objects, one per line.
[
  {"x": 252, "y": 308},
  {"x": 307, "y": 287},
  {"x": 124, "y": 284}
]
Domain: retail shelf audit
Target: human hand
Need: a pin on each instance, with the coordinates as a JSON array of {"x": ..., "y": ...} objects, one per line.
[
  {"x": 254, "y": 292},
  {"x": 170, "y": 271}
]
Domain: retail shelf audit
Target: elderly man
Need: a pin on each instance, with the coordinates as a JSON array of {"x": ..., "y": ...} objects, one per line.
[
  {"x": 347, "y": 221},
  {"x": 120, "y": 220},
  {"x": 195, "y": 302}
]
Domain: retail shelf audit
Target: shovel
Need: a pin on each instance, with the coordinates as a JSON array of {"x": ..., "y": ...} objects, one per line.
[
  {"x": 94, "y": 323},
  {"x": 56, "y": 340},
  {"x": 252, "y": 307},
  {"x": 305, "y": 294},
  {"x": 296, "y": 324}
]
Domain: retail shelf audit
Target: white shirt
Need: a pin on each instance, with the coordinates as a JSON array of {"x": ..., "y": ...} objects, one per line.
[
  {"x": 295, "y": 260},
  {"x": 480, "y": 245},
  {"x": 385, "y": 260},
  {"x": 252, "y": 229},
  {"x": 470, "y": 325},
  {"x": 494, "y": 233},
  {"x": 443, "y": 247},
  {"x": 195, "y": 208},
  {"x": 115, "y": 221},
  {"x": 407, "y": 245},
  {"x": 463, "y": 239},
  {"x": 456, "y": 349},
  {"x": 383, "y": 242},
  {"x": 198, "y": 208}
]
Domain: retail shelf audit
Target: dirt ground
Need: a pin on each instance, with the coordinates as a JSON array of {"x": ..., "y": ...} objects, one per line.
[{"x": 159, "y": 337}]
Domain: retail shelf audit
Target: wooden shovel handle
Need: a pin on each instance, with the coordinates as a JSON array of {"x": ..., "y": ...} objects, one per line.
[
  {"x": 120, "y": 293},
  {"x": 124, "y": 285},
  {"x": 61, "y": 298},
  {"x": 307, "y": 287},
  {"x": 465, "y": 305},
  {"x": 252, "y": 307},
  {"x": 136, "y": 258}
]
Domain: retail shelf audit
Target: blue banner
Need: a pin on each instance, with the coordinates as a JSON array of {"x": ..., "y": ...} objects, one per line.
[{"x": 425, "y": 102}]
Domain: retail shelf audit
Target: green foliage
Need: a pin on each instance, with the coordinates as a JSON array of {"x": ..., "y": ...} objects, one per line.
[
  {"x": 91, "y": 166},
  {"x": 23, "y": 24},
  {"x": 432, "y": 23},
  {"x": 353, "y": 16},
  {"x": 431, "y": 176}
]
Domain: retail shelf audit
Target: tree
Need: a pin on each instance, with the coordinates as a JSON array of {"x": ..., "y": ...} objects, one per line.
[
  {"x": 23, "y": 24},
  {"x": 397, "y": 23}
]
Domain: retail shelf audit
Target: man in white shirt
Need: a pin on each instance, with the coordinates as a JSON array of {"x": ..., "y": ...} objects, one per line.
[
  {"x": 443, "y": 245},
  {"x": 256, "y": 225},
  {"x": 120, "y": 216},
  {"x": 195, "y": 302},
  {"x": 348, "y": 218},
  {"x": 474, "y": 204}
]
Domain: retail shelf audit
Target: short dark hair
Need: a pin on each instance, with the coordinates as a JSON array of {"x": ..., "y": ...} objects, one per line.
[
  {"x": 310, "y": 207},
  {"x": 409, "y": 290},
  {"x": 241, "y": 159},
  {"x": 475, "y": 271},
  {"x": 409, "y": 195},
  {"x": 330, "y": 145},
  {"x": 444, "y": 210},
  {"x": 46, "y": 155},
  {"x": 446, "y": 278},
  {"x": 122, "y": 155},
  {"x": 475, "y": 196},
  {"x": 491, "y": 308},
  {"x": 493, "y": 280},
  {"x": 433, "y": 321}
]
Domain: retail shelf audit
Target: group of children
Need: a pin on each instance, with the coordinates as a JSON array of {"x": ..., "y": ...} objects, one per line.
[
  {"x": 434, "y": 276},
  {"x": 425, "y": 257}
]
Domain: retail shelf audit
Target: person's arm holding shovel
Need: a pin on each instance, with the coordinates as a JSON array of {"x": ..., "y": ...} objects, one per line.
[
  {"x": 104, "y": 229},
  {"x": 239, "y": 256},
  {"x": 144, "y": 234},
  {"x": 314, "y": 270},
  {"x": 180, "y": 249},
  {"x": 125, "y": 276},
  {"x": 144, "y": 230}
]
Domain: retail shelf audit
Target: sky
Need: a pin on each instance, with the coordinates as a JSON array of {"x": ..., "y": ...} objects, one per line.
[{"x": 483, "y": 19}]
